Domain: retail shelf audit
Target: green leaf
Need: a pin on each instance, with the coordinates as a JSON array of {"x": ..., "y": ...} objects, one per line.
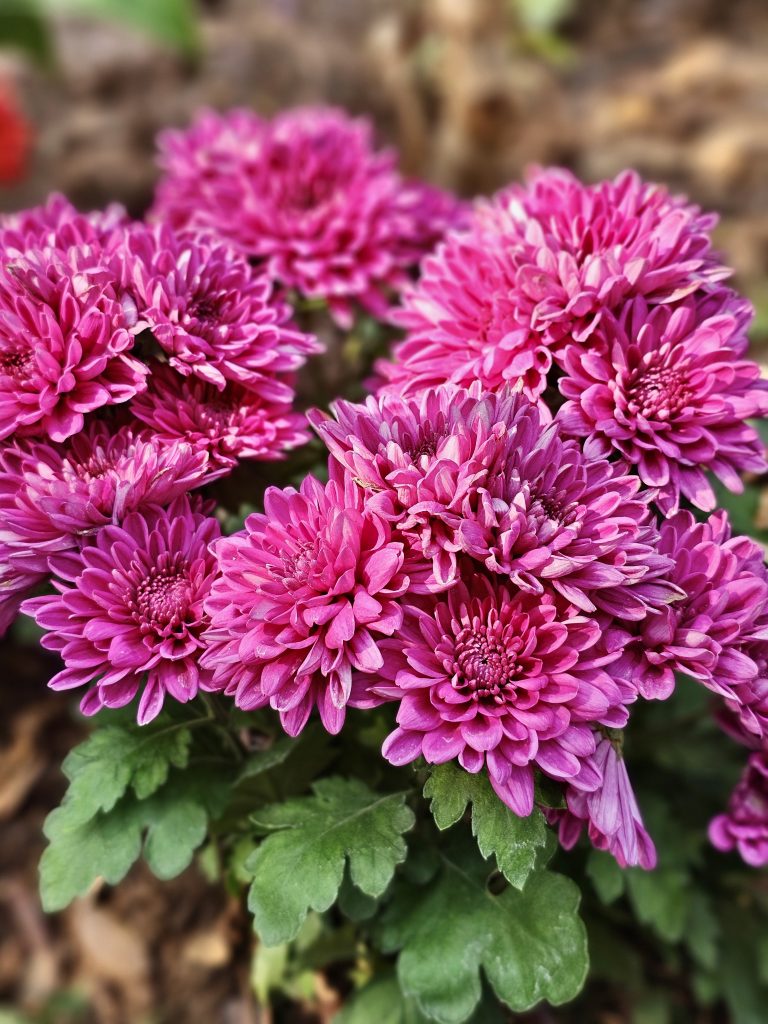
[
  {"x": 515, "y": 842},
  {"x": 23, "y": 27},
  {"x": 531, "y": 945},
  {"x": 660, "y": 898},
  {"x": 606, "y": 875},
  {"x": 301, "y": 866},
  {"x": 171, "y": 21},
  {"x": 102, "y": 768}
]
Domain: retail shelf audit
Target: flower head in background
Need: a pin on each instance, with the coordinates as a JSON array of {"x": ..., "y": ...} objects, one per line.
[
  {"x": 536, "y": 272},
  {"x": 54, "y": 498},
  {"x": 211, "y": 313},
  {"x": 744, "y": 826},
  {"x": 609, "y": 812},
  {"x": 130, "y": 618},
  {"x": 306, "y": 195},
  {"x": 15, "y": 137},
  {"x": 228, "y": 425},
  {"x": 65, "y": 343},
  {"x": 305, "y": 595},
  {"x": 425, "y": 459},
  {"x": 504, "y": 680},
  {"x": 669, "y": 395}
]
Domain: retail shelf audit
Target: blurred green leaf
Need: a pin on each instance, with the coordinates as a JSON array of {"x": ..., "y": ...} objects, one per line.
[
  {"x": 23, "y": 27},
  {"x": 171, "y": 21}
]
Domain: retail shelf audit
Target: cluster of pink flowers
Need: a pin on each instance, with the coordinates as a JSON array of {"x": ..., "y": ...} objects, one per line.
[{"x": 499, "y": 550}]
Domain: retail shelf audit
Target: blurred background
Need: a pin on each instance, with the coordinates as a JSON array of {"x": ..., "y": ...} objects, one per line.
[{"x": 471, "y": 92}]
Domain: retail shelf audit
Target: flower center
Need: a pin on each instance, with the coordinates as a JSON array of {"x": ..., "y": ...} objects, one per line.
[
  {"x": 298, "y": 567},
  {"x": 554, "y": 507},
  {"x": 16, "y": 363},
  {"x": 657, "y": 392},
  {"x": 423, "y": 446},
  {"x": 485, "y": 664},
  {"x": 161, "y": 599}
]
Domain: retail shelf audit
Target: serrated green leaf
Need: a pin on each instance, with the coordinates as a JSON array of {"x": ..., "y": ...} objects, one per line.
[
  {"x": 606, "y": 875},
  {"x": 383, "y": 1002},
  {"x": 175, "y": 829},
  {"x": 301, "y": 866},
  {"x": 112, "y": 758},
  {"x": 531, "y": 945},
  {"x": 514, "y": 841}
]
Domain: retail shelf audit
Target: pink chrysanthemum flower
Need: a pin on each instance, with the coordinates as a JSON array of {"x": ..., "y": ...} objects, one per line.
[
  {"x": 502, "y": 680},
  {"x": 54, "y": 498},
  {"x": 462, "y": 326},
  {"x": 65, "y": 341},
  {"x": 229, "y": 425},
  {"x": 556, "y": 518},
  {"x": 307, "y": 194},
  {"x": 211, "y": 312},
  {"x": 58, "y": 225},
  {"x": 717, "y": 634},
  {"x": 669, "y": 395},
  {"x": 306, "y": 593},
  {"x": 744, "y": 826},
  {"x": 131, "y": 618},
  {"x": 15, "y": 585},
  {"x": 610, "y": 813},
  {"x": 426, "y": 459},
  {"x": 537, "y": 270}
]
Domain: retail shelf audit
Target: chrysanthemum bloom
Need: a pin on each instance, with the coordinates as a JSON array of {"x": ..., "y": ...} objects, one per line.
[
  {"x": 54, "y": 498},
  {"x": 65, "y": 341},
  {"x": 722, "y": 620},
  {"x": 307, "y": 194},
  {"x": 462, "y": 326},
  {"x": 610, "y": 813},
  {"x": 504, "y": 680},
  {"x": 425, "y": 459},
  {"x": 744, "y": 826},
  {"x": 229, "y": 425},
  {"x": 669, "y": 395},
  {"x": 555, "y": 517},
  {"x": 536, "y": 272},
  {"x": 306, "y": 593},
  {"x": 15, "y": 585},
  {"x": 56, "y": 224},
  {"x": 132, "y": 618},
  {"x": 15, "y": 137},
  {"x": 211, "y": 312}
]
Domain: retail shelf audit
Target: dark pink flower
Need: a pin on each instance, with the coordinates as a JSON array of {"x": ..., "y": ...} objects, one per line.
[
  {"x": 578, "y": 525},
  {"x": 504, "y": 680},
  {"x": 744, "y": 826},
  {"x": 53, "y": 499},
  {"x": 58, "y": 225},
  {"x": 306, "y": 593},
  {"x": 131, "y": 618},
  {"x": 211, "y": 312},
  {"x": 537, "y": 271},
  {"x": 717, "y": 633},
  {"x": 65, "y": 341},
  {"x": 610, "y": 813},
  {"x": 229, "y": 425},
  {"x": 669, "y": 394},
  {"x": 15, "y": 585},
  {"x": 306, "y": 194},
  {"x": 426, "y": 459}
]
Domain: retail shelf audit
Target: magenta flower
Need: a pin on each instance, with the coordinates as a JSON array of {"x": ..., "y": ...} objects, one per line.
[
  {"x": 610, "y": 812},
  {"x": 53, "y": 499},
  {"x": 131, "y": 617},
  {"x": 15, "y": 585},
  {"x": 65, "y": 341},
  {"x": 717, "y": 632},
  {"x": 306, "y": 592},
  {"x": 744, "y": 826},
  {"x": 58, "y": 225},
  {"x": 306, "y": 194},
  {"x": 462, "y": 324},
  {"x": 669, "y": 395},
  {"x": 502, "y": 680},
  {"x": 535, "y": 274},
  {"x": 211, "y": 313},
  {"x": 556, "y": 518},
  {"x": 229, "y": 425},
  {"x": 426, "y": 459}
]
